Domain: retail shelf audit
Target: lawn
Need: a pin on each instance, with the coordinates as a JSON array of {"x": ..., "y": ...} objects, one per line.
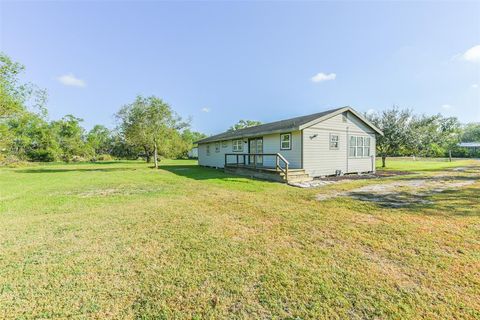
[
  {"x": 120, "y": 240},
  {"x": 422, "y": 164}
]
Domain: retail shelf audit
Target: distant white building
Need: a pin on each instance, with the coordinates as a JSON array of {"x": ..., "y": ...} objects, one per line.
[
  {"x": 473, "y": 146},
  {"x": 193, "y": 153}
]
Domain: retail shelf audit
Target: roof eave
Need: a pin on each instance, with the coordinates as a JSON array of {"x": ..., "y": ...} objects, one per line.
[{"x": 242, "y": 136}]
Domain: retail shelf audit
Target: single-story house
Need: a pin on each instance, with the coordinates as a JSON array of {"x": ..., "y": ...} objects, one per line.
[{"x": 336, "y": 141}]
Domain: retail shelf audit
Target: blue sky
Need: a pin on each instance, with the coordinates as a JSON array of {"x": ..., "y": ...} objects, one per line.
[{"x": 219, "y": 62}]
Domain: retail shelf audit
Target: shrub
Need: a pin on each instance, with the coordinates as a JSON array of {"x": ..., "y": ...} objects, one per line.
[
  {"x": 41, "y": 155},
  {"x": 77, "y": 159},
  {"x": 104, "y": 157},
  {"x": 13, "y": 162}
]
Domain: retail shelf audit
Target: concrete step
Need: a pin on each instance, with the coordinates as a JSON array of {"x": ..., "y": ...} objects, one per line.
[{"x": 299, "y": 178}]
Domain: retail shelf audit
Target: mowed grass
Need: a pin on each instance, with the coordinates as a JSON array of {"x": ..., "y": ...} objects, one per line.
[
  {"x": 421, "y": 164},
  {"x": 120, "y": 240}
]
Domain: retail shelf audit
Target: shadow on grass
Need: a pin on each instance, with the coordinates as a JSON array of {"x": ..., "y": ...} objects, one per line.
[
  {"x": 463, "y": 201},
  {"x": 59, "y": 170},
  {"x": 200, "y": 173}
]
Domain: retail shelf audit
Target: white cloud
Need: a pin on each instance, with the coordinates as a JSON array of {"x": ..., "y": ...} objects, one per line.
[
  {"x": 319, "y": 77},
  {"x": 71, "y": 80},
  {"x": 475, "y": 85},
  {"x": 446, "y": 107},
  {"x": 371, "y": 111},
  {"x": 472, "y": 54},
  {"x": 206, "y": 109}
]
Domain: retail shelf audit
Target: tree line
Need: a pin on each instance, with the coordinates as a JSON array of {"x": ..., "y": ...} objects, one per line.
[
  {"x": 148, "y": 127},
  {"x": 409, "y": 134}
]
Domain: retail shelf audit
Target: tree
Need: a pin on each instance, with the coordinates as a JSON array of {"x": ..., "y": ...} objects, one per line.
[
  {"x": 244, "y": 124},
  {"x": 471, "y": 132},
  {"x": 99, "y": 139},
  {"x": 397, "y": 133},
  {"x": 434, "y": 136},
  {"x": 70, "y": 136},
  {"x": 189, "y": 138},
  {"x": 152, "y": 124},
  {"x": 33, "y": 138},
  {"x": 12, "y": 94}
]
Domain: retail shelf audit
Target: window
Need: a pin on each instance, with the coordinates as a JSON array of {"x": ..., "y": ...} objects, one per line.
[
  {"x": 217, "y": 147},
  {"x": 366, "y": 146},
  {"x": 224, "y": 144},
  {"x": 352, "y": 150},
  {"x": 208, "y": 149},
  {"x": 237, "y": 145},
  {"x": 359, "y": 147},
  {"x": 286, "y": 141},
  {"x": 334, "y": 141}
]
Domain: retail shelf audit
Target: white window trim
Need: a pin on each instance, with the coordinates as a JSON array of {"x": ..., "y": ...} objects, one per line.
[
  {"x": 364, "y": 146},
  {"x": 237, "y": 145},
  {"x": 207, "y": 149},
  {"x": 337, "y": 141},
  {"x": 289, "y": 134},
  {"x": 217, "y": 147}
]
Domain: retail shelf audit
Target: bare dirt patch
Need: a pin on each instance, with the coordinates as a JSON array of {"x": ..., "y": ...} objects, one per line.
[
  {"x": 106, "y": 192},
  {"x": 405, "y": 192}
]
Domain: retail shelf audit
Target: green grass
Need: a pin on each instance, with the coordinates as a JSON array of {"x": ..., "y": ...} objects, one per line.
[
  {"x": 422, "y": 164},
  {"x": 120, "y": 240}
]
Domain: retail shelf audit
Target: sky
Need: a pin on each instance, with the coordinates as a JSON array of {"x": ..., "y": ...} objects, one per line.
[{"x": 219, "y": 62}]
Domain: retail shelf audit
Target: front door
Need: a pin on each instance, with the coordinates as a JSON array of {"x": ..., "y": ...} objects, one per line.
[{"x": 255, "y": 145}]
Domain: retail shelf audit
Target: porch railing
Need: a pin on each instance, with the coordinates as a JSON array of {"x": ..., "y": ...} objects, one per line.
[{"x": 243, "y": 159}]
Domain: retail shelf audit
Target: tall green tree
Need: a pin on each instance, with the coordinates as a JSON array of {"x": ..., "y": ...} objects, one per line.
[
  {"x": 34, "y": 139},
  {"x": 70, "y": 135},
  {"x": 434, "y": 136},
  {"x": 244, "y": 124},
  {"x": 397, "y": 132},
  {"x": 99, "y": 139},
  {"x": 151, "y": 123},
  {"x": 471, "y": 132}
]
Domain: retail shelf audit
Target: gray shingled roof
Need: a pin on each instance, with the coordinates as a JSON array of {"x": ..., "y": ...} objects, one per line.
[{"x": 272, "y": 127}]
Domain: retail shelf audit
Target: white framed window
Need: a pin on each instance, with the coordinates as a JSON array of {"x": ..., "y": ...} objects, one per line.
[
  {"x": 286, "y": 141},
  {"x": 237, "y": 145},
  {"x": 334, "y": 141},
  {"x": 352, "y": 150},
  {"x": 224, "y": 144},
  {"x": 208, "y": 149},
  {"x": 359, "y": 146},
  {"x": 366, "y": 146},
  {"x": 217, "y": 147}
]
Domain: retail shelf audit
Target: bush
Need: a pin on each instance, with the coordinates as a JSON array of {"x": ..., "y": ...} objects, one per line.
[
  {"x": 104, "y": 157},
  {"x": 12, "y": 161},
  {"x": 41, "y": 155},
  {"x": 77, "y": 159}
]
